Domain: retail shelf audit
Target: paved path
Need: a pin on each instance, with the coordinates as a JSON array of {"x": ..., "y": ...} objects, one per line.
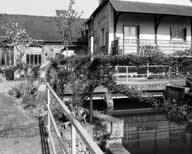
[{"x": 19, "y": 132}]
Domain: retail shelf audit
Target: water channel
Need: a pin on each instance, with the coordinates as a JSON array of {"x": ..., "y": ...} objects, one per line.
[
  {"x": 153, "y": 133},
  {"x": 150, "y": 133}
]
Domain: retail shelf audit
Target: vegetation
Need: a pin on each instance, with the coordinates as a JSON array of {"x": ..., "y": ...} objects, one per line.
[
  {"x": 178, "y": 112},
  {"x": 30, "y": 99},
  {"x": 68, "y": 24},
  {"x": 15, "y": 37}
]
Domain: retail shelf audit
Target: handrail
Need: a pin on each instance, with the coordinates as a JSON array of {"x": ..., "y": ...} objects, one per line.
[
  {"x": 92, "y": 146},
  {"x": 135, "y": 74}
]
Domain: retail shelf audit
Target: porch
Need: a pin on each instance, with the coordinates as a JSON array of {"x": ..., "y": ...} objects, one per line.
[{"x": 146, "y": 46}]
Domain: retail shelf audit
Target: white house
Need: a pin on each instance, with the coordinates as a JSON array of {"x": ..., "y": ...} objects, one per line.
[{"x": 136, "y": 26}]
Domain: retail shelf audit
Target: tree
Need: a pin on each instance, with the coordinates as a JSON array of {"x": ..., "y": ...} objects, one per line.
[
  {"x": 68, "y": 24},
  {"x": 15, "y": 37}
]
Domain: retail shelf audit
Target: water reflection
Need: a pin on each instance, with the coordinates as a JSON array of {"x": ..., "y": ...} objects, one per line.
[{"x": 179, "y": 144}]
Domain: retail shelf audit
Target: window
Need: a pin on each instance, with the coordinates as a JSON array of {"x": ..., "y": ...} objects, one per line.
[
  {"x": 33, "y": 59},
  {"x": 129, "y": 32},
  {"x": 102, "y": 36},
  {"x": 177, "y": 33}
]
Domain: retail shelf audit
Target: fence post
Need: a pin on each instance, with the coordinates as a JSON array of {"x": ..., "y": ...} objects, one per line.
[
  {"x": 91, "y": 107},
  {"x": 48, "y": 104},
  {"x": 73, "y": 140},
  {"x": 148, "y": 74},
  {"x": 169, "y": 74},
  {"x": 50, "y": 139},
  {"x": 127, "y": 74}
]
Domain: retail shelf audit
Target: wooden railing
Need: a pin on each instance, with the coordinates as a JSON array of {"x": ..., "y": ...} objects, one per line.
[{"x": 76, "y": 127}]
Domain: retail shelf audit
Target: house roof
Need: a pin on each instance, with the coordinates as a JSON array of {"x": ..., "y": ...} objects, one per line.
[
  {"x": 151, "y": 8},
  {"x": 38, "y": 27}
]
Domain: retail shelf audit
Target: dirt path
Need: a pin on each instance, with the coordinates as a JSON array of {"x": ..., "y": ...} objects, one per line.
[{"x": 19, "y": 132}]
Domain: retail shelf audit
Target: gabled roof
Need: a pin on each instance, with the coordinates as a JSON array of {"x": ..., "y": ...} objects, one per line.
[
  {"x": 147, "y": 8},
  {"x": 38, "y": 27},
  {"x": 151, "y": 8}
]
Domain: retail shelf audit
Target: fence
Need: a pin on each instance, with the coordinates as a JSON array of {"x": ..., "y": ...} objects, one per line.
[
  {"x": 76, "y": 127},
  {"x": 174, "y": 73},
  {"x": 124, "y": 74},
  {"x": 127, "y": 73}
]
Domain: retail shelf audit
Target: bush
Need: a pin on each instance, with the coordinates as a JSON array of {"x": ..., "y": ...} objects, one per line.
[
  {"x": 9, "y": 74},
  {"x": 14, "y": 91}
]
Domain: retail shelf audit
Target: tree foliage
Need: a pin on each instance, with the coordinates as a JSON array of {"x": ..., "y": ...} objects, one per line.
[
  {"x": 67, "y": 22},
  {"x": 16, "y": 37}
]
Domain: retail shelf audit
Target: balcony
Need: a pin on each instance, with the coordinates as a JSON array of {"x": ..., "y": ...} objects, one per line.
[{"x": 146, "y": 46}]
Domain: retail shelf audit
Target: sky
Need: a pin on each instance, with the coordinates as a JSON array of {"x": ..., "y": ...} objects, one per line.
[{"x": 45, "y": 7}]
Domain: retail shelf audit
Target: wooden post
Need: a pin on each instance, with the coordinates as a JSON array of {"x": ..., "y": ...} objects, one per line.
[
  {"x": 169, "y": 74},
  {"x": 50, "y": 139},
  {"x": 148, "y": 73},
  {"x": 48, "y": 103},
  {"x": 157, "y": 22},
  {"x": 92, "y": 47},
  {"x": 91, "y": 107},
  {"x": 33, "y": 60},
  {"x": 155, "y": 28},
  {"x": 73, "y": 140},
  {"x": 127, "y": 73},
  {"x": 5, "y": 59}
]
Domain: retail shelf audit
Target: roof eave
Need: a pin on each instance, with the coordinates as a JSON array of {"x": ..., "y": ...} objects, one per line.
[
  {"x": 153, "y": 13},
  {"x": 96, "y": 11}
]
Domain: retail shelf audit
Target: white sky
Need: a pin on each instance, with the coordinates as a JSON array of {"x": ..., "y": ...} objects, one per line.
[{"x": 45, "y": 7}]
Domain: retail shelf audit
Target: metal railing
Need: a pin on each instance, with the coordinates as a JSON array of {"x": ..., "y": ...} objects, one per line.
[
  {"x": 127, "y": 73},
  {"x": 76, "y": 127},
  {"x": 124, "y": 74},
  {"x": 146, "y": 46},
  {"x": 174, "y": 73}
]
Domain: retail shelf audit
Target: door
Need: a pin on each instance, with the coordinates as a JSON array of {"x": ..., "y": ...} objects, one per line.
[{"x": 130, "y": 39}]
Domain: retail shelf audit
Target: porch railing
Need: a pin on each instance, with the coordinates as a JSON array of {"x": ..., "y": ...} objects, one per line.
[
  {"x": 145, "y": 46},
  {"x": 76, "y": 127}
]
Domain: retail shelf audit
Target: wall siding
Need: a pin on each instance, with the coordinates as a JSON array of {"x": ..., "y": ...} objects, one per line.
[
  {"x": 101, "y": 20},
  {"x": 146, "y": 28}
]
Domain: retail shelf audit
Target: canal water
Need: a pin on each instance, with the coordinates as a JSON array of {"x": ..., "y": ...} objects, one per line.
[
  {"x": 149, "y": 133},
  {"x": 154, "y": 134},
  {"x": 179, "y": 145}
]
